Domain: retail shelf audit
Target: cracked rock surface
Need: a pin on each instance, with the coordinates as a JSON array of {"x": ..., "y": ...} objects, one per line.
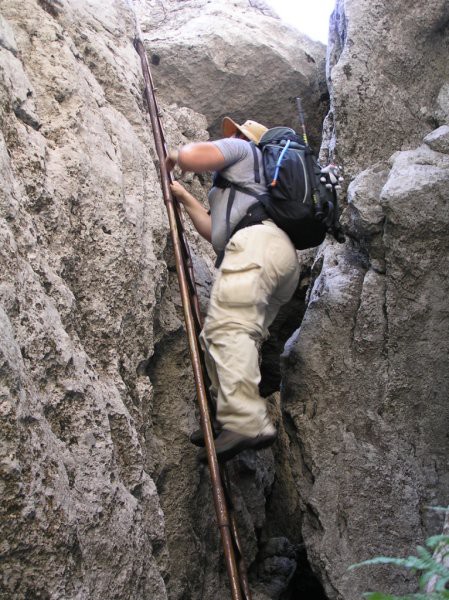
[
  {"x": 366, "y": 376},
  {"x": 101, "y": 493},
  {"x": 249, "y": 65},
  {"x": 388, "y": 75},
  {"x": 85, "y": 293}
]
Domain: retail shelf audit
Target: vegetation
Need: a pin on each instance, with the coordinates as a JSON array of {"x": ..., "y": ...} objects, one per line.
[{"x": 429, "y": 564}]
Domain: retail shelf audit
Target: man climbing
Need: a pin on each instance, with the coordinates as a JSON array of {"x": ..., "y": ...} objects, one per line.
[{"x": 258, "y": 273}]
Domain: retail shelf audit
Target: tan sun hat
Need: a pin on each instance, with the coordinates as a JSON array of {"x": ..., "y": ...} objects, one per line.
[{"x": 251, "y": 129}]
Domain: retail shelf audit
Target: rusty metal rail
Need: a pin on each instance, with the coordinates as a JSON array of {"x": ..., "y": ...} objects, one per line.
[{"x": 218, "y": 473}]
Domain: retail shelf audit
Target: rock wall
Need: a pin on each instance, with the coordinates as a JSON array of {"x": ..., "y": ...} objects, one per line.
[
  {"x": 101, "y": 493},
  {"x": 387, "y": 71},
  {"x": 249, "y": 65},
  {"x": 86, "y": 293},
  {"x": 366, "y": 376}
]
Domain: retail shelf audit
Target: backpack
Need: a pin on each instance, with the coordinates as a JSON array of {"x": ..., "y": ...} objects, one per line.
[{"x": 301, "y": 197}]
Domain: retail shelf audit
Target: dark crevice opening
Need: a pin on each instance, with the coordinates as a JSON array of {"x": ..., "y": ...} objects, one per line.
[
  {"x": 282, "y": 570},
  {"x": 304, "y": 585},
  {"x": 285, "y": 324}
]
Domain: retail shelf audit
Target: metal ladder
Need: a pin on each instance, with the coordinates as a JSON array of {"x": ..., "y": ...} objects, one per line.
[{"x": 226, "y": 520}]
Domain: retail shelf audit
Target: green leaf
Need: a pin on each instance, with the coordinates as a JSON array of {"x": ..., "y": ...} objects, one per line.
[
  {"x": 440, "y": 585},
  {"x": 423, "y": 553},
  {"x": 430, "y": 596},
  {"x": 438, "y": 508},
  {"x": 435, "y": 540},
  {"x": 425, "y": 563},
  {"x": 415, "y": 562},
  {"x": 424, "y": 579}
]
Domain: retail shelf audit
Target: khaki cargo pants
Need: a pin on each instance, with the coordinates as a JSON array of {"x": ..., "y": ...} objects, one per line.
[{"x": 259, "y": 273}]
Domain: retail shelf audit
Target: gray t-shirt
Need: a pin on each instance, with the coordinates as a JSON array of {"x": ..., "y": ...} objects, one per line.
[{"x": 239, "y": 169}]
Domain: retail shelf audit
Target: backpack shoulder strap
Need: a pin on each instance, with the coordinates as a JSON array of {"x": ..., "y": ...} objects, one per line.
[
  {"x": 222, "y": 182},
  {"x": 256, "y": 163}
]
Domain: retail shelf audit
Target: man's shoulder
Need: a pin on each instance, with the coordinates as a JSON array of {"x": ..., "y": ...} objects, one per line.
[{"x": 233, "y": 149}]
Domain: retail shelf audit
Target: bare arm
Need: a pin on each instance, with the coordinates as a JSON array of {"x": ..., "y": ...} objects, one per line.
[
  {"x": 198, "y": 157},
  {"x": 200, "y": 217}
]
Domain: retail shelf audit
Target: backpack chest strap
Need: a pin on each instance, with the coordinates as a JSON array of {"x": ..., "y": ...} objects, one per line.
[{"x": 256, "y": 163}]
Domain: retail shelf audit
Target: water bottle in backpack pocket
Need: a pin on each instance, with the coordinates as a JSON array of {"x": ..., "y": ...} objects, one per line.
[
  {"x": 296, "y": 199},
  {"x": 301, "y": 197}
]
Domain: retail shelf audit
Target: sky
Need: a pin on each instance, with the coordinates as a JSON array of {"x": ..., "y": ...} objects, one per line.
[{"x": 309, "y": 16}]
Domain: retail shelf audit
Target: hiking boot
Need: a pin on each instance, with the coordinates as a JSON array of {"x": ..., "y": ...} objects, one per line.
[
  {"x": 197, "y": 437},
  {"x": 230, "y": 443}
]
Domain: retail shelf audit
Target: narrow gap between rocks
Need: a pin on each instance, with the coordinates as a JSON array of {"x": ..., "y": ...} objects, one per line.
[
  {"x": 282, "y": 570},
  {"x": 304, "y": 585}
]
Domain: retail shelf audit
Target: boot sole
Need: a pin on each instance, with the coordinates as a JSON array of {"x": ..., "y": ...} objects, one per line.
[
  {"x": 227, "y": 452},
  {"x": 197, "y": 437}
]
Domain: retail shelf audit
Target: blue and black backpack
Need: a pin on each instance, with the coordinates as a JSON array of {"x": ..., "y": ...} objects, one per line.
[{"x": 301, "y": 197}]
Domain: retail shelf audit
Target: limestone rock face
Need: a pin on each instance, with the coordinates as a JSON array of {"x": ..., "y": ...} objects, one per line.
[
  {"x": 366, "y": 376},
  {"x": 388, "y": 75},
  {"x": 85, "y": 296},
  {"x": 236, "y": 59},
  {"x": 101, "y": 493}
]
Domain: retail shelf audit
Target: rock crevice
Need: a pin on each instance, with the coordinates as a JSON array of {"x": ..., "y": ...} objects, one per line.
[{"x": 101, "y": 493}]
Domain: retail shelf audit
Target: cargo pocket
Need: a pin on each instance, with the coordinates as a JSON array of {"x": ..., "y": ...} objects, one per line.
[{"x": 241, "y": 285}]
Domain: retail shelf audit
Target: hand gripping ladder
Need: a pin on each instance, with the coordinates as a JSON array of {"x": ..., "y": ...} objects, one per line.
[{"x": 219, "y": 477}]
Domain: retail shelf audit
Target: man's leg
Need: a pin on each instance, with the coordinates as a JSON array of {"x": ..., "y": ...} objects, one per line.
[
  {"x": 259, "y": 273},
  {"x": 232, "y": 354}
]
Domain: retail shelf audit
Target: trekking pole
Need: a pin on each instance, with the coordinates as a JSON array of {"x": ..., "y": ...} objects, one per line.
[{"x": 319, "y": 212}]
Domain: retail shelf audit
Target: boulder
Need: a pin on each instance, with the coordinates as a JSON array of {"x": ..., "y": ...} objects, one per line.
[{"x": 235, "y": 59}]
